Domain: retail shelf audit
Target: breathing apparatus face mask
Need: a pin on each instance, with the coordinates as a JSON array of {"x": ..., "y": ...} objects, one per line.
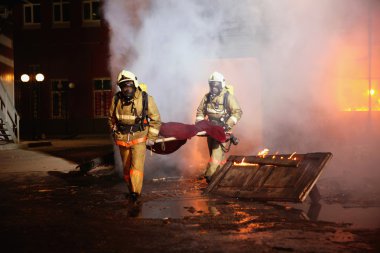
[
  {"x": 215, "y": 88},
  {"x": 128, "y": 89}
]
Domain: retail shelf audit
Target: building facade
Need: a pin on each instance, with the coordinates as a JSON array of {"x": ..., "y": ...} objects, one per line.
[
  {"x": 67, "y": 42},
  {"x": 9, "y": 118}
]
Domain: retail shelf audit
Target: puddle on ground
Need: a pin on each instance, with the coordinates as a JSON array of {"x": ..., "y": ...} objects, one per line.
[
  {"x": 358, "y": 217},
  {"x": 178, "y": 208},
  {"x": 368, "y": 218}
]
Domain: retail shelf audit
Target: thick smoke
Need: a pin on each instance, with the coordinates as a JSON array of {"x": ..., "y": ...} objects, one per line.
[{"x": 279, "y": 55}]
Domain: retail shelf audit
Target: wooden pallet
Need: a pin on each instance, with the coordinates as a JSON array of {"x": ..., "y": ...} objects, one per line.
[{"x": 269, "y": 179}]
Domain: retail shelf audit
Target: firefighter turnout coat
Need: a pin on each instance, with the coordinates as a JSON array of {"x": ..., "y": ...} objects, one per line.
[
  {"x": 131, "y": 136},
  {"x": 222, "y": 110}
]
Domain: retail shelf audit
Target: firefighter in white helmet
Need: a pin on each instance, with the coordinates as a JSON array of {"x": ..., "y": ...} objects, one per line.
[
  {"x": 135, "y": 122},
  {"x": 221, "y": 108}
]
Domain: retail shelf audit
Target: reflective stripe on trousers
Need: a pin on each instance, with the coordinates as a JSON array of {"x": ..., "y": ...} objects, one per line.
[
  {"x": 128, "y": 144},
  {"x": 133, "y": 158},
  {"x": 215, "y": 161},
  {"x": 216, "y": 157}
]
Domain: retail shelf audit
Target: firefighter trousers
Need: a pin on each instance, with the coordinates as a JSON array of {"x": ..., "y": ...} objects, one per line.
[
  {"x": 216, "y": 156},
  {"x": 133, "y": 163}
]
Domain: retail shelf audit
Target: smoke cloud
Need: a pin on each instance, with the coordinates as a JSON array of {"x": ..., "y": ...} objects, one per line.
[{"x": 281, "y": 57}]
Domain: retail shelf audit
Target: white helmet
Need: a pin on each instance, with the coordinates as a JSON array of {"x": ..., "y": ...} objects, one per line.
[
  {"x": 217, "y": 77},
  {"x": 126, "y": 75}
]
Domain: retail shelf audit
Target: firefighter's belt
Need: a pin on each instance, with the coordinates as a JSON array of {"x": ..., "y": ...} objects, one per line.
[
  {"x": 128, "y": 144},
  {"x": 124, "y": 128},
  {"x": 217, "y": 122}
]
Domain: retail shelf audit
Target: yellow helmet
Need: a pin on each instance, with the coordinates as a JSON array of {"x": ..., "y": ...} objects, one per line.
[
  {"x": 217, "y": 77},
  {"x": 125, "y": 76}
]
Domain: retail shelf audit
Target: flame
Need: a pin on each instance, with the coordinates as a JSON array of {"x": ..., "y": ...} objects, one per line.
[
  {"x": 263, "y": 152},
  {"x": 290, "y": 157},
  {"x": 242, "y": 163}
]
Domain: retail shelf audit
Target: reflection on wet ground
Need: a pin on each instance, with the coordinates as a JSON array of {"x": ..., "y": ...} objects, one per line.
[
  {"x": 172, "y": 199},
  {"x": 172, "y": 211},
  {"x": 357, "y": 217},
  {"x": 178, "y": 208},
  {"x": 249, "y": 211}
]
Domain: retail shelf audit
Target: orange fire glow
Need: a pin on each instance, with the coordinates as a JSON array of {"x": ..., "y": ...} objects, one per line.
[
  {"x": 242, "y": 163},
  {"x": 290, "y": 157},
  {"x": 353, "y": 86},
  {"x": 262, "y": 154}
]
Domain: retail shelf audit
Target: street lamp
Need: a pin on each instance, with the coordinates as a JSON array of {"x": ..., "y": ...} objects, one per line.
[
  {"x": 68, "y": 88},
  {"x": 35, "y": 81},
  {"x": 40, "y": 77},
  {"x": 25, "y": 78}
]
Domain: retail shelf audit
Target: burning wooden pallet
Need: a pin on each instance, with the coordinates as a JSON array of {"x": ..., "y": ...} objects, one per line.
[{"x": 287, "y": 177}]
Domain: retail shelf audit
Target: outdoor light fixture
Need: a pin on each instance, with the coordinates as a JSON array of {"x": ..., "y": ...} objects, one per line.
[
  {"x": 71, "y": 85},
  {"x": 40, "y": 77},
  {"x": 25, "y": 78}
]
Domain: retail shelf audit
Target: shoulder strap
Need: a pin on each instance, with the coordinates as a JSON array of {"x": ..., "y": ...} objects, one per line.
[
  {"x": 115, "y": 101},
  {"x": 144, "y": 113},
  {"x": 225, "y": 101},
  {"x": 208, "y": 98},
  {"x": 207, "y": 101}
]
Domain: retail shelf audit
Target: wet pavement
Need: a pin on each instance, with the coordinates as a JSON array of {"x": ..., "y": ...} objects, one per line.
[{"x": 46, "y": 206}]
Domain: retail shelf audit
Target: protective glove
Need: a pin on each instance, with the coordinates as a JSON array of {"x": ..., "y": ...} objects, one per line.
[
  {"x": 114, "y": 129},
  {"x": 226, "y": 128},
  {"x": 149, "y": 142}
]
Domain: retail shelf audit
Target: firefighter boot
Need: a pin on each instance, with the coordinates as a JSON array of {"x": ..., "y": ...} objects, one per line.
[
  {"x": 208, "y": 179},
  {"x": 133, "y": 196}
]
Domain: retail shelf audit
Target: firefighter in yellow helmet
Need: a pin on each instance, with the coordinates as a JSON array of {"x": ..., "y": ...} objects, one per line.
[
  {"x": 222, "y": 109},
  {"x": 135, "y": 122}
]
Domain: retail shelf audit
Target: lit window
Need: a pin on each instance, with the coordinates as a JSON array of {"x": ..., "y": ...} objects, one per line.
[
  {"x": 61, "y": 11},
  {"x": 32, "y": 14},
  {"x": 91, "y": 11},
  {"x": 59, "y": 99},
  {"x": 355, "y": 95},
  {"x": 102, "y": 97}
]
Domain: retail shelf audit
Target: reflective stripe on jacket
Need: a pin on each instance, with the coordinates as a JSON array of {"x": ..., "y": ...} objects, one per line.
[
  {"x": 125, "y": 115},
  {"x": 214, "y": 110}
]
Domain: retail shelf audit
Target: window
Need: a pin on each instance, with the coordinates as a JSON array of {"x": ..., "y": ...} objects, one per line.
[
  {"x": 32, "y": 14},
  {"x": 4, "y": 12},
  {"x": 355, "y": 95},
  {"x": 59, "y": 98},
  {"x": 102, "y": 97},
  {"x": 91, "y": 11},
  {"x": 61, "y": 12}
]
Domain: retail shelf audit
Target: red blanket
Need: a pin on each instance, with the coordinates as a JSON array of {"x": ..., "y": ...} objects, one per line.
[{"x": 182, "y": 132}]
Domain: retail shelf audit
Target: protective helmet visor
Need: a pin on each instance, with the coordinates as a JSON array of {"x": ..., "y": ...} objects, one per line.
[
  {"x": 124, "y": 83},
  {"x": 128, "y": 88},
  {"x": 215, "y": 87}
]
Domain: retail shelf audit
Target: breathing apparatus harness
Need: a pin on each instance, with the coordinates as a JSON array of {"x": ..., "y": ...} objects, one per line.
[
  {"x": 140, "y": 122},
  {"x": 223, "y": 119},
  {"x": 215, "y": 106}
]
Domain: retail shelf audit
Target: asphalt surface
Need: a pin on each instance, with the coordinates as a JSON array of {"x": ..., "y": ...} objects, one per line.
[{"x": 47, "y": 206}]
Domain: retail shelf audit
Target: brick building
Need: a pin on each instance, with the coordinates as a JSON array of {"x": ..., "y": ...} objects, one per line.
[{"x": 66, "y": 41}]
